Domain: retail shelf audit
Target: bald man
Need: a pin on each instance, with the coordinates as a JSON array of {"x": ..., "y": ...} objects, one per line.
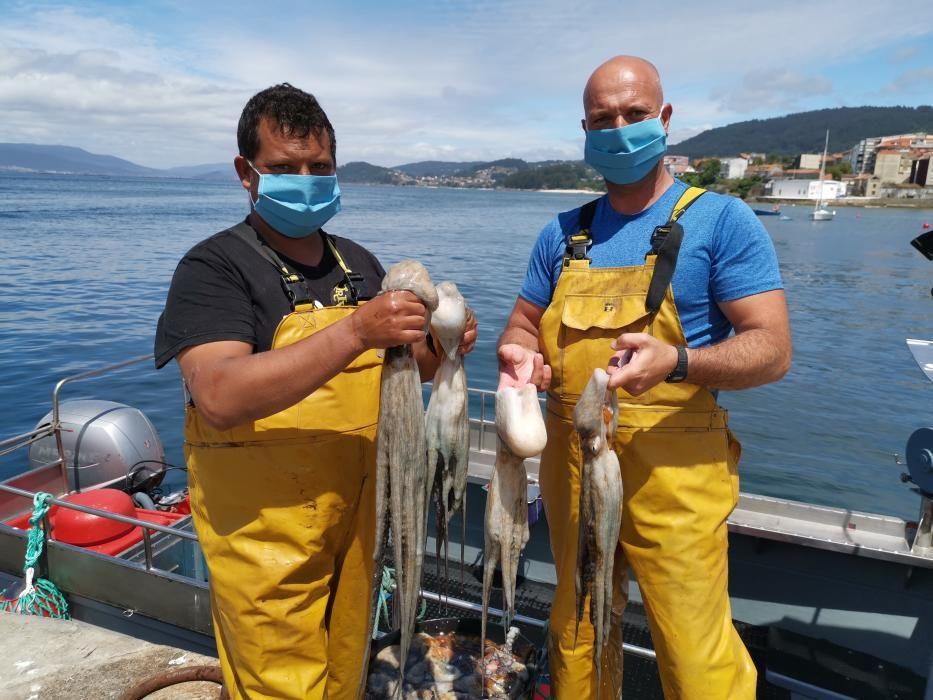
[{"x": 677, "y": 292}]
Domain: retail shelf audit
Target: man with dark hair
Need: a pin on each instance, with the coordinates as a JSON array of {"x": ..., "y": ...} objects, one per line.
[
  {"x": 280, "y": 356},
  {"x": 651, "y": 279}
]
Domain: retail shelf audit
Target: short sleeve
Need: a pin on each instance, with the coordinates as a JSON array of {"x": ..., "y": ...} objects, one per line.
[
  {"x": 208, "y": 300},
  {"x": 743, "y": 261},
  {"x": 543, "y": 266}
]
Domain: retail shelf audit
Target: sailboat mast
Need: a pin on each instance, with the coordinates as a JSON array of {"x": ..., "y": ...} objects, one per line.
[{"x": 819, "y": 200}]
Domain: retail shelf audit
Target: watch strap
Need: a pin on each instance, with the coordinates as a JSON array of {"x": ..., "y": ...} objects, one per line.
[{"x": 679, "y": 373}]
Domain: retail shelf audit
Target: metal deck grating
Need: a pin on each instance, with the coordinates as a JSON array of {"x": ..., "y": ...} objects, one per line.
[{"x": 641, "y": 680}]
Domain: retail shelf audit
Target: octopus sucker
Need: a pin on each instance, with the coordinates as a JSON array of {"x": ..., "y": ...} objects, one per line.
[{"x": 600, "y": 514}]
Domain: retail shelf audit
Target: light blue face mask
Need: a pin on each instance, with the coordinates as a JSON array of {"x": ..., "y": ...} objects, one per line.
[
  {"x": 296, "y": 205},
  {"x": 628, "y": 153}
]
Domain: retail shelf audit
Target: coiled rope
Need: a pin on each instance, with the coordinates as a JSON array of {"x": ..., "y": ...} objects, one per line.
[{"x": 40, "y": 596}]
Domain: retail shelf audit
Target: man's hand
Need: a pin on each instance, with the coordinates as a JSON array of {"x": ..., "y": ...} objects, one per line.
[
  {"x": 640, "y": 362},
  {"x": 519, "y": 366},
  {"x": 390, "y": 319}
]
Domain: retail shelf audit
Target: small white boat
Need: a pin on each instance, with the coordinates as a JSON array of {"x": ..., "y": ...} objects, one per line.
[{"x": 820, "y": 212}]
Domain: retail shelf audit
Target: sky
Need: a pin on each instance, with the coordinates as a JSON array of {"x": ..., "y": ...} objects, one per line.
[{"x": 162, "y": 82}]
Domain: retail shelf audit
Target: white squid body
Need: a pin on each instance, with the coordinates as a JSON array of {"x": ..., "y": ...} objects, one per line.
[{"x": 522, "y": 434}]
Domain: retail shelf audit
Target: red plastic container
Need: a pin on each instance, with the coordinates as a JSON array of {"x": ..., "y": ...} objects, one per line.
[{"x": 96, "y": 532}]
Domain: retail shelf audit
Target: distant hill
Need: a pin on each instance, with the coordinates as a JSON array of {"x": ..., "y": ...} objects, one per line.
[
  {"x": 435, "y": 168},
  {"x": 804, "y": 132},
  {"x": 360, "y": 171},
  {"x": 209, "y": 171},
  {"x": 66, "y": 159}
]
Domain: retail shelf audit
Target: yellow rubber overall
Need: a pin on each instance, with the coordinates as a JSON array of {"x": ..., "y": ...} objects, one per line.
[
  {"x": 680, "y": 477},
  {"x": 284, "y": 509}
]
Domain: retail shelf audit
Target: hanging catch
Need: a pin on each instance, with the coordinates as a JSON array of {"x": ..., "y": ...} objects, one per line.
[
  {"x": 401, "y": 462},
  {"x": 447, "y": 422},
  {"x": 600, "y": 515},
  {"x": 521, "y": 434}
]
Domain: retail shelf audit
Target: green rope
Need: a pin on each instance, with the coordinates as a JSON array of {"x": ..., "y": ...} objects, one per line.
[
  {"x": 39, "y": 596},
  {"x": 386, "y": 588}
]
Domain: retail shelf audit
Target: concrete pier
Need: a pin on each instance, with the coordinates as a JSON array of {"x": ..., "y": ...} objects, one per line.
[{"x": 45, "y": 659}]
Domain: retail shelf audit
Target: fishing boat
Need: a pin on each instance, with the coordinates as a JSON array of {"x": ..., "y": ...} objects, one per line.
[
  {"x": 832, "y": 603},
  {"x": 820, "y": 212},
  {"x": 773, "y": 211}
]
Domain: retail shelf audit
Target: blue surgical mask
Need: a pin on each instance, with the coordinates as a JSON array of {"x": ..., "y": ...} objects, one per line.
[
  {"x": 628, "y": 153},
  {"x": 296, "y": 205}
]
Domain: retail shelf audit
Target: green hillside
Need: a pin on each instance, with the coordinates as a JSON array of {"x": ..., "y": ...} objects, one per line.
[
  {"x": 804, "y": 132},
  {"x": 360, "y": 171}
]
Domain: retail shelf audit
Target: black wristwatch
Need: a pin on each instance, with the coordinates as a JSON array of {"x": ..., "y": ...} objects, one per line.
[{"x": 679, "y": 373}]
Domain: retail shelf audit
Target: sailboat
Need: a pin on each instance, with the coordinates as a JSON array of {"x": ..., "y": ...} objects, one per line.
[{"x": 820, "y": 212}]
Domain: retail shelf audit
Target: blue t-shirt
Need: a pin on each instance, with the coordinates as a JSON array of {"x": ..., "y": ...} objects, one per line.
[{"x": 726, "y": 254}]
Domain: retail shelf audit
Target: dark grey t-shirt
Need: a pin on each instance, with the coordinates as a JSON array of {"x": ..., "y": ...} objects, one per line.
[{"x": 223, "y": 289}]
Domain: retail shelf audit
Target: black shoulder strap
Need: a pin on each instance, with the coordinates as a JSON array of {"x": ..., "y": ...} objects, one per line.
[
  {"x": 293, "y": 284},
  {"x": 579, "y": 243},
  {"x": 665, "y": 244}
]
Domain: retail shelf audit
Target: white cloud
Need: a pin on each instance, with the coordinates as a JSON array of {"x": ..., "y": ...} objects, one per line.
[
  {"x": 763, "y": 90},
  {"x": 406, "y": 82},
  {"x": 916, "y": 81}
]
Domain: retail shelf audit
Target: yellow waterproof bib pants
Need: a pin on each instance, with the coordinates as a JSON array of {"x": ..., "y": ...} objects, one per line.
[
  {"x": 680, "y": 478},
  {"x": 285, "y": 512}
]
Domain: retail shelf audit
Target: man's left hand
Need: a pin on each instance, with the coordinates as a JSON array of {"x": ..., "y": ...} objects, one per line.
[{"x": 640, "y": 362}]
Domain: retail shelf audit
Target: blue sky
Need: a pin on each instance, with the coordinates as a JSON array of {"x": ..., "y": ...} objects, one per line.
[{"x": 162, "y": 82}]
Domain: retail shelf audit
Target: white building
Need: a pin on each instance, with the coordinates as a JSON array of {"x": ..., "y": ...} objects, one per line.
[
  {"x": 810, "y": 160},
  {"x": 807, "y": 189},
  {"x": 732, "y": 168}
]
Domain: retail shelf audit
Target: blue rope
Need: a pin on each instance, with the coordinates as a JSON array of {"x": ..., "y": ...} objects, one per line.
[{"x": 40, "y": 596}]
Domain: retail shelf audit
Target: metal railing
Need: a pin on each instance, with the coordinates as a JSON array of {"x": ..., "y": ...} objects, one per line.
[{"x": 55, "y": 429}]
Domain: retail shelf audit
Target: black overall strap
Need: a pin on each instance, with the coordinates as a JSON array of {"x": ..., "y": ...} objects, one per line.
[
  {"x": 665, "y": 244},
  {"x": 293, "y": 283},
  {"x": 579, "y": 243}
]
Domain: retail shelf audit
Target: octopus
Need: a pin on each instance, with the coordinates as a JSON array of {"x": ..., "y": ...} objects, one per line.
[
  {"x": 600, "y": 514},
  {"x": 521, "y": 434},
  {"x": 447, "y": 667},
  {"x": 447, "y": 422},
  {"x": 401, "y": 461}
]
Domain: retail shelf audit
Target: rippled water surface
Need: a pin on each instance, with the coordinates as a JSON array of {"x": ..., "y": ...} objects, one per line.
[{"x": 87, "y": 262}]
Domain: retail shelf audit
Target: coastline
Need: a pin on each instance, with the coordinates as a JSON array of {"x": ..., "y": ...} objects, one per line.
[{"x": 864, "y": 203}]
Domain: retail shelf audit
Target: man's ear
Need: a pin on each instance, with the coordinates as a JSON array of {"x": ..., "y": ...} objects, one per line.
[
  {"x": 243, "y": 171},
  {"x": 666, "y": 111},
  {"x": 583, "y": 125}
]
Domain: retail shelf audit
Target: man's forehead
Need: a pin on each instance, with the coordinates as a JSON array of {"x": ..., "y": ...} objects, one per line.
[{"x": 272, "y": 132}]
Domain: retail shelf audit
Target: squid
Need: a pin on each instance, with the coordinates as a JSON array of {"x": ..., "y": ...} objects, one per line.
[
  {"x": 521, "y": 434},
  {"x": 600, "y": 514},
  {"x": 401, "y": 464},
  {"x": 447, "y": 422}
]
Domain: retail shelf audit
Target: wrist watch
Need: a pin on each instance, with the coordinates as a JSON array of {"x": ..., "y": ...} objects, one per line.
[{"x": 679, "y": 373}]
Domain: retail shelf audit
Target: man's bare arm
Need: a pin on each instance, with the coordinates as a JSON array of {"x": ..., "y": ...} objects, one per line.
[
  {"x": 758, "y": 353},
  {"x": 522, "y": 326},
  {"x": 232, "y": 385},
  {"x": 520, "y": 361}
]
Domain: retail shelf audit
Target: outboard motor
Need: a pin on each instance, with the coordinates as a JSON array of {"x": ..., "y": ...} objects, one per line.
[{"x": 105, "y": 444}]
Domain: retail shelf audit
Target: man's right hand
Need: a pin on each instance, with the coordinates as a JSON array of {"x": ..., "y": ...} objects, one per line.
[
  {"x": 519, "y": 365},
  {"x": 390, "y": 319}
]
